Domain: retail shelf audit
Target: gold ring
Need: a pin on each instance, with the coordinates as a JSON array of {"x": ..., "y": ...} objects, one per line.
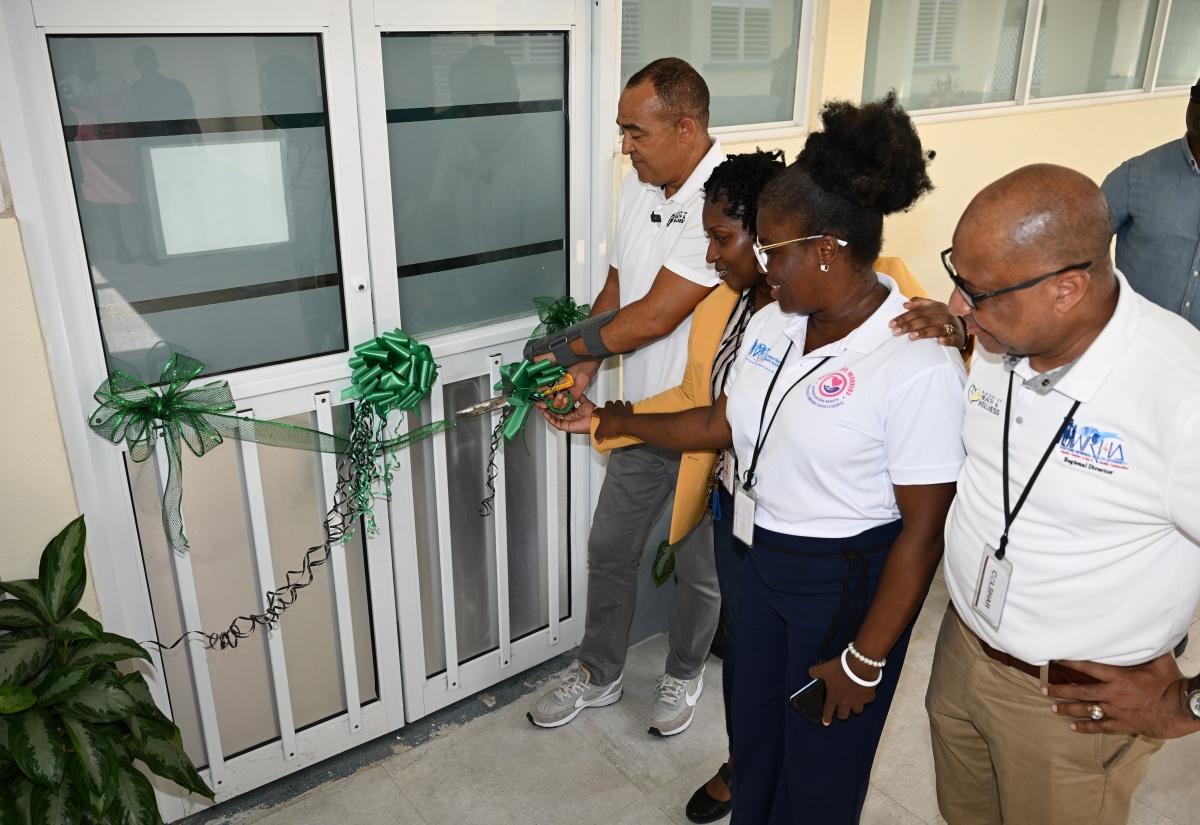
[
  {"x": 1095, "y": 711},
  {"x": 949, "y": 328}
]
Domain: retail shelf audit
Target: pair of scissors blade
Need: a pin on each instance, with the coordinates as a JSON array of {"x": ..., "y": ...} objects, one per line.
[{"x": 482, "y": 407}]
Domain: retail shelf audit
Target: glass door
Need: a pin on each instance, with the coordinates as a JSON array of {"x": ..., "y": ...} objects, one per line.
[{"x": 476, "y": 118}]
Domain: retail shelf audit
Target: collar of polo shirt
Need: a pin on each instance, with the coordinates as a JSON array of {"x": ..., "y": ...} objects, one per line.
[
  {"x": 695, "y": 182},
  {"x": 866, "y": 337}
]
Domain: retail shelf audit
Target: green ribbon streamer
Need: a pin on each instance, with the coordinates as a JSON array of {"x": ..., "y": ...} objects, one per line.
[
  {"x": 558, "y": 313},
  {"x": 132, "y": 412},
  {"x": 522, "y": 383},
  {"x": 391, "y": 372}
]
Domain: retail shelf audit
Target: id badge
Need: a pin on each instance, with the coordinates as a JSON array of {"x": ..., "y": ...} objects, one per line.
[
  {"x": 992, "y": 589},
  {"x": 744, "y": 502},
  {"x": 729, "y": 471}
]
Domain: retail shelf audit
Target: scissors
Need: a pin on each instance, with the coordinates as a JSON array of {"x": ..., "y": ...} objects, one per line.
[{"x": 564, "y": 383}]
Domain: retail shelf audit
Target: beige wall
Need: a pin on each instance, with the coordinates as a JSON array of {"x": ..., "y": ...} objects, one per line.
[{"x": 36, "y": 496}]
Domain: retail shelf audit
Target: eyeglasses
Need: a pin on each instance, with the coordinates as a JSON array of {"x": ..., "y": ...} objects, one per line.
[
  {"x": 973, "y": 298},
  {"x": 760, "y": 252},
  {"x": 1196, "y": 93}
]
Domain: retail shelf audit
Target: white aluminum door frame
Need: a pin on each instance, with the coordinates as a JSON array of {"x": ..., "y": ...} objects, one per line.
[
  {"x": 371, "y": 19},
  {"x": 42, "y": 187}
]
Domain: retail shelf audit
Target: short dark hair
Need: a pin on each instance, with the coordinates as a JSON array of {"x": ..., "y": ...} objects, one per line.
[
  {"x": 739, "y": 180},
  {"x": 681, "y": 90},
  {"x": 867, "y": 162}
]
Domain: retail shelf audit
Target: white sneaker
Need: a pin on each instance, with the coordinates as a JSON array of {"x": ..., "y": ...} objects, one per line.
[
  {"x": 674, "y": 704},
  {"x": 576, "y": 692}
]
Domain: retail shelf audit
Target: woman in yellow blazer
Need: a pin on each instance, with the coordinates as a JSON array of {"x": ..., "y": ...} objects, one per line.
[{"x": 731, "y": 196}]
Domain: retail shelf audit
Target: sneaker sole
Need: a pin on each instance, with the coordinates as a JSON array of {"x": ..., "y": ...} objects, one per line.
[{"x": 602, "y": 703}]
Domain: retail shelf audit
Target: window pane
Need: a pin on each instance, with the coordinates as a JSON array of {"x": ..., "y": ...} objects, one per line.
[
  {"x": 1087, "y": 46},
  {"x": 745, "y": 49},
  {"x": 1180, "y": 64},
  {"x": 477, "y": 135},
  {"x": 939, "y": 53},
  {"x": 202, "y": 176}
]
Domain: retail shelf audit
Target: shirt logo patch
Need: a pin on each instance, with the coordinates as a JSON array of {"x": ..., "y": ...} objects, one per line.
[
  {"x": 833, "y": 389},
  {"x": 677, "y": 217},
  {"x": 1092, "y": 449},
  {"x": 984, "y": 399},
  {"x": 760, "y": 356}
]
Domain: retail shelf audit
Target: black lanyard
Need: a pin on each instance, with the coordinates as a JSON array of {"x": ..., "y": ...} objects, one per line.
[
  {"x": 762, "y": 436},
  {"x": 1011, "y": 516}
]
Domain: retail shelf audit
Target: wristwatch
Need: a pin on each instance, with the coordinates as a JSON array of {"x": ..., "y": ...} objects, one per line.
[{"x": 1191, "y": 688}]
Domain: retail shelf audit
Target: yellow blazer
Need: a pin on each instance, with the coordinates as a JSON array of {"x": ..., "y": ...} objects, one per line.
[{"x": 708, "y": 323}]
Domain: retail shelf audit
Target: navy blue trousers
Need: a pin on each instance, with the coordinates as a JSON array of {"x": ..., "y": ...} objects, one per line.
[
  {"x": 730, "y": 554},
  {"x": 785, "y": 769}
]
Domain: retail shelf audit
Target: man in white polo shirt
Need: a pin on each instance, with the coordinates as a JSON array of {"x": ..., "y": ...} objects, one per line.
[
  {"x": 1071, "y": 548},
  {"x": 657, "y": 275}
]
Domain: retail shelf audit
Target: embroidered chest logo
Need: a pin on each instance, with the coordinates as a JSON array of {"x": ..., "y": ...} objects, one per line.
[
  {"x": 1092, "y": 449},
  {"x": 833, "y": 389},
  {"x": 977, "y": 396},
  {"x": 760, "y": 356},
  {"x": 677, "y": 217}
]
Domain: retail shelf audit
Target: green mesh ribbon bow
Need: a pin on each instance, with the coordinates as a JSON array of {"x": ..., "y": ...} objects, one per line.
[
  {"x": 391, "y": 372},
  {"x": 132, "y": 412},
  {"x": 558, "y": 313},
  {"x": 522, "y": 382}
]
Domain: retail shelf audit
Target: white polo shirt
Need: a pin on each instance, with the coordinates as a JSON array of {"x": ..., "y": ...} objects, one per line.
[
  {"x": 883, "y": 410},
  {"x": 641, "y": 247},
  {"x": 1105, "y": 561}
]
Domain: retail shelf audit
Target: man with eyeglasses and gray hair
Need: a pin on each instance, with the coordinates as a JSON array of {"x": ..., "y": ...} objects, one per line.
[{"x": 1071, "y": 547}]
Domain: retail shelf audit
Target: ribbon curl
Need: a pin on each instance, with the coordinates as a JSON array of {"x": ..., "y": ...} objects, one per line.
[
  {"x": 391, "y": 372},
  {"x": 558, "y": 313},
  {"x": 132, "y": 412}
]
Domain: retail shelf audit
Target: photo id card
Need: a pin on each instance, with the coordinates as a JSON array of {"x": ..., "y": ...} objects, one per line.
[
  {"x": 744, "y": 502},
  {"x": 992, "y": 589}
]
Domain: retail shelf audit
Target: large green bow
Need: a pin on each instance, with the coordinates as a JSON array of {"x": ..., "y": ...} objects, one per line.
[
  {"x": 558, "y": 313},
  {"x": 522, "y": 383},
  {"x": 132, "y": 412},
  {"x": 391, "y": 372}
]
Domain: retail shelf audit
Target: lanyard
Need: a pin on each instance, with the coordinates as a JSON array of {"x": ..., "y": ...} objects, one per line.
[
  {"x": 1011, "y": 515},
  {"x": 762, "y": 436}
]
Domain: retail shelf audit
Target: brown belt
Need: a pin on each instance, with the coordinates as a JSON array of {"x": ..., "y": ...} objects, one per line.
[{"x": 1056, "y": 672}]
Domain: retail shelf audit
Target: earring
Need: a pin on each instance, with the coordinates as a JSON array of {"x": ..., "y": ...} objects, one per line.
[{"x": 824, "y": 267}]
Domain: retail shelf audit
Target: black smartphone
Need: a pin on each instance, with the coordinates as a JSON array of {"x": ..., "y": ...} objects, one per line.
[{"x": 809, "y": 701}]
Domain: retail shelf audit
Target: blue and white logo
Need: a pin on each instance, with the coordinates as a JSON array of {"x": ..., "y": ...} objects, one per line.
[
  {"x": 760, "y": 355},
  {"x": 1093, "y": 449}
]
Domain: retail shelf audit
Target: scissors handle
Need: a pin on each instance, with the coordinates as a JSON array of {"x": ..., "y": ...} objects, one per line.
[{"x": 565, "y": 383}]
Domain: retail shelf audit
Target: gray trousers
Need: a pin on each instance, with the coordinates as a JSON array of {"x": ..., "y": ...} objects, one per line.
[{"x": 637, "y": 484}]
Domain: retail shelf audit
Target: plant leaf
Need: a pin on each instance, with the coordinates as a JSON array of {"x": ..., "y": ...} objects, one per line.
[
  {"x": 23, "y": 796},
  {"x": 78, "y": 626},
  {"x": 21, "y": 659},
  {"x": 62, "y": 683},
  {"x": 4, "y": 751},
  {"x": 166, "y": 758},
  {"x": 30, "y": 592},
  {"x": 134, "y": 803},
  {"x": 37, "y": 747},
  {"x": 15, "y": 614},
  {"x": 15, "y": 698},
  {"x": 135, "y": 685},
  {"x": 96, "y": 756},
  {"x": 62, "y": 569},
  {"x": 58, "y": 807},
  {"x": 108, "y": 648},
  {"x": 97, "y": 803},
  {"x": 98, "y": 701},
  {"x": 8, "y": 810}
]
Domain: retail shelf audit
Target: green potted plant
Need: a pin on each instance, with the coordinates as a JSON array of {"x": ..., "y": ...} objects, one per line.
[{"x": 72, "y": 725}]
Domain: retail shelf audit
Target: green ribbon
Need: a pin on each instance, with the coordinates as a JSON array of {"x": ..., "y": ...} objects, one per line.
[
  {"x": 391, "y": 372},
  {"x": 521, "y": 383},
  {"x": 133, "y": 412},
  {"x": 558, "y": 313}
]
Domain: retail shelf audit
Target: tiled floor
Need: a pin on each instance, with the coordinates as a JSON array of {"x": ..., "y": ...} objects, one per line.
[{"x": 605, "y": 768}]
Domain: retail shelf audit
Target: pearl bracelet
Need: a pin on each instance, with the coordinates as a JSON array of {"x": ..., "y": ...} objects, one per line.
[
  {"x": 854, "y": 652},
  {"x": 854, "y": 676}
]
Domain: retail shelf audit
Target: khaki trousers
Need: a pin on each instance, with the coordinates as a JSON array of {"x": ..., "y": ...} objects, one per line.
[{"x": 1003, "y": 757}]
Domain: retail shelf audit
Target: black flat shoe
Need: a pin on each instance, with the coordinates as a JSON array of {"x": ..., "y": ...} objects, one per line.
[{"x": 703, "y": 808}]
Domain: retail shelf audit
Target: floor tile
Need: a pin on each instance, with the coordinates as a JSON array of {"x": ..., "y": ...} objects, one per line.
[
  {"x": 672, "y": 798},
  {"x": 904, "y": 763},
  {"x": 501, "y": 769},
  {"x": 1142, "y": 814},
  {"x": 1170, "y": 787},
  {"x": 642, "y": 812},
  {"x": 371, "y": 797},
  {"x": 619, "y": 731},
  {"x": 881, "y": 809}
]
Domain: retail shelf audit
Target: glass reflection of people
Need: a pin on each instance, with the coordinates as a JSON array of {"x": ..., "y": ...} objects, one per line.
[
  {"x": 292, "y": 102},
  {"x": 98, "y": 105},
  {"x": 495, "y": 183},
  {"x": 162, "y": 105}
]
